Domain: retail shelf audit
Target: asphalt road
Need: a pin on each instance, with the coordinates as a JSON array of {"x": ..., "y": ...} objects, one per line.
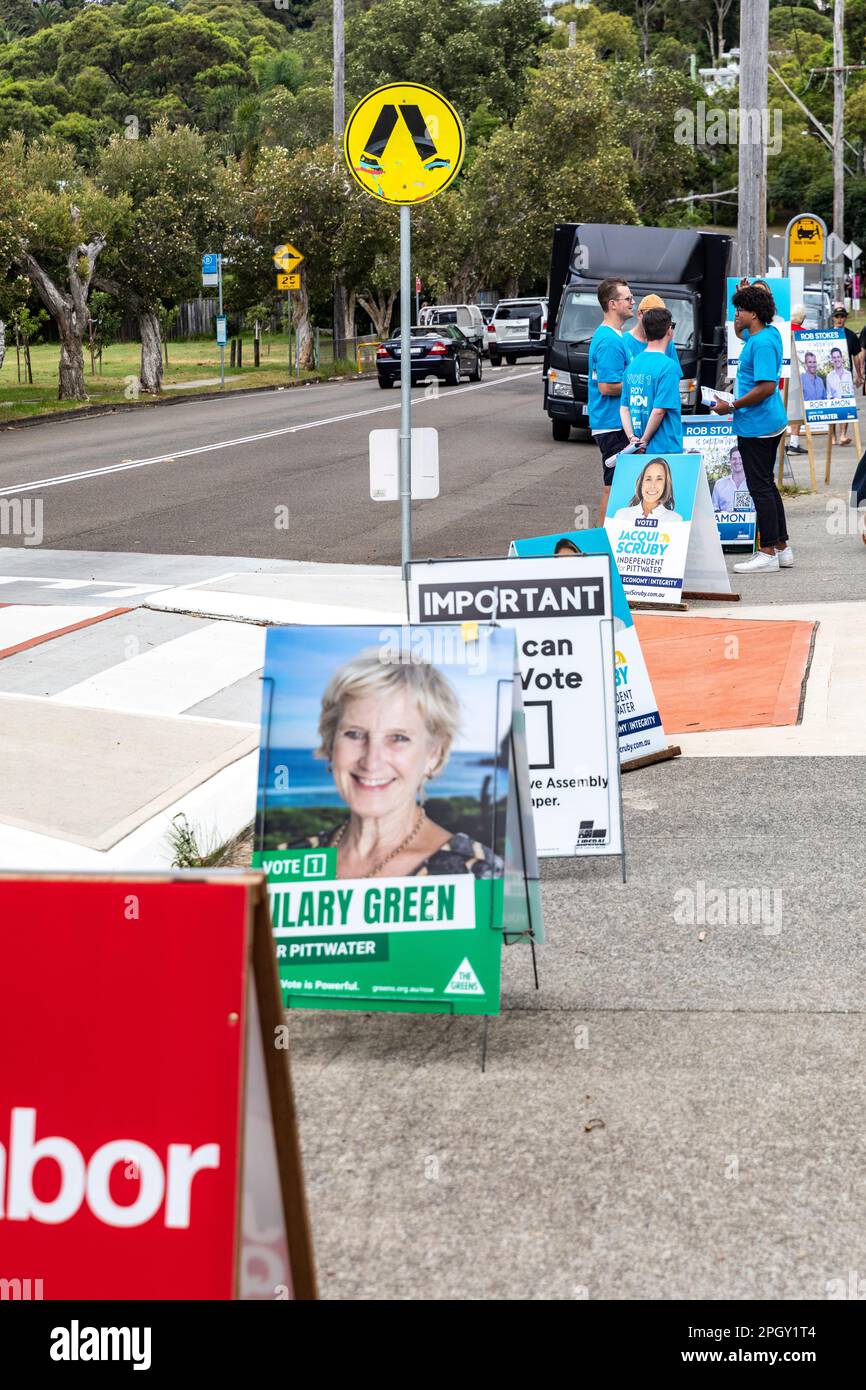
[{"x": 210, "y": 477}]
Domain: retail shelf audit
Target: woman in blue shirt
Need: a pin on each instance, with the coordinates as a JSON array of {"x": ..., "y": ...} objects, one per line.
[{"x": 760, "y": 420}]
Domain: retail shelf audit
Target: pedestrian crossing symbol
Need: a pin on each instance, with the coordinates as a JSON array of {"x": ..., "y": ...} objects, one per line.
[
  {"x": 404, "y": 143},
  {"x": 464, "y": 980}
]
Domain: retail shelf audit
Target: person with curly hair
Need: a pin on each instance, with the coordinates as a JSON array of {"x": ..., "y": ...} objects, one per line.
[{"x": 760, "y": 420}]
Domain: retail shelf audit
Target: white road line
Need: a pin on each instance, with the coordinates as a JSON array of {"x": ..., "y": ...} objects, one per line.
[
  {"x": 26, "y": 621},
  {"x": 175, "y": 675},
  {"x": 174, "y": 455}
]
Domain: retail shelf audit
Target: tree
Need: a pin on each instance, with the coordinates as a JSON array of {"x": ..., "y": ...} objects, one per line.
[
  {"x": 712, "y": 15},
  {"x": 179, "y": 200},
  {"x": 562, "y": 160},
  {"x": 141, "y": 60},
  {"x": 662, "y": 168},
  {"x": 610, "y": 35},
  {"x": 310, "y": 199},
  {"x": 62, "y": 223},
  {"x": 465, "y": 50}
]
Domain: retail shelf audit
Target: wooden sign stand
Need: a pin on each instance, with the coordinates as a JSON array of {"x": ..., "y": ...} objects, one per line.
[
  {"x": 810, "y": 448},
  {"x": 857, "y": 445}
]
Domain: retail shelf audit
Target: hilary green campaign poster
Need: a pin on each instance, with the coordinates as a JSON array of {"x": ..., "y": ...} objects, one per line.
[{"x": 383, "y": 787}]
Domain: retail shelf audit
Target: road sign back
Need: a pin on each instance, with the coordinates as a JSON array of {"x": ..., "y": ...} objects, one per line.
[{"x": 404, "y": 143}]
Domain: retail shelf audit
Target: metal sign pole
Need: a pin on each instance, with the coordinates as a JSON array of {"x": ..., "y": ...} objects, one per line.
[
  {"x": 222, "y": 345},
  {"x": 405, "y": 388}
]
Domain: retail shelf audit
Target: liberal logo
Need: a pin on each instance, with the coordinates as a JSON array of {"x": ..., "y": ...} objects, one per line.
[{"x": 587, "y": 834}]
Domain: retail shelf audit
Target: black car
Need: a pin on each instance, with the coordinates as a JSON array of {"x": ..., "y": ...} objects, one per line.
[{"x": 444, "y": 352}]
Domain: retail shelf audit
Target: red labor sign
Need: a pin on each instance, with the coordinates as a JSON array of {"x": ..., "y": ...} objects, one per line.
[
  {"x": 124, "y": 1037},
  {"x": 417, "y": 284}
]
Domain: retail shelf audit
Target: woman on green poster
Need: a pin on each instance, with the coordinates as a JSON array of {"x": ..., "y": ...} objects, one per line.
[{"x": 386, "y": 729}]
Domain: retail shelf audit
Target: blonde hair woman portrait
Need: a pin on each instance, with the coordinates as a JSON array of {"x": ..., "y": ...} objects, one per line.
[{"x": 386, "y": 729}]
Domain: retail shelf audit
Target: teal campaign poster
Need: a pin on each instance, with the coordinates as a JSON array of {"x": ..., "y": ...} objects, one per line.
[
  {"x": 713, "y": 438},
  {"x": 639, "y": 723},
  {"x": 780, "y": 288},
  {"x": 382, "y": 795}
]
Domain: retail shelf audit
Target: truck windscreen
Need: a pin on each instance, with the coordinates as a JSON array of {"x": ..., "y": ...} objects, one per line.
[{"x": 580, "y": 315}]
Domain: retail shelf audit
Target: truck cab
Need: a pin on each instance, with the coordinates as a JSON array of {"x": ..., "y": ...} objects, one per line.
[{"x": 687, "y": 268}]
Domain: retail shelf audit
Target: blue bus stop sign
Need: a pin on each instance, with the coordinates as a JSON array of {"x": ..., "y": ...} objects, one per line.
[{"x": 210, "y": 268}]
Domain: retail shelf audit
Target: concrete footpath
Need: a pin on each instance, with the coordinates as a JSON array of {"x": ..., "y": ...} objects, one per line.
[{"x": 678, "y": 1111}]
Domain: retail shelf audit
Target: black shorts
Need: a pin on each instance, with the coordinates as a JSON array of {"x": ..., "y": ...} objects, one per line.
[{"x": 610, "y": 443}]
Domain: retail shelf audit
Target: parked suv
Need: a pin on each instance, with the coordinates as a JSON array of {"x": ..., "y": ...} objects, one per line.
[
  {"x": 466, "y": 317},
  {"x": 819, "y": 308},
  {"x": 517, "y": 329}
]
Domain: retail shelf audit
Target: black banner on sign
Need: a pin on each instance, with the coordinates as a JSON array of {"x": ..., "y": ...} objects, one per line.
[
  {"x": 469, "y": 601},
  {"x": 383, "y": 129}
]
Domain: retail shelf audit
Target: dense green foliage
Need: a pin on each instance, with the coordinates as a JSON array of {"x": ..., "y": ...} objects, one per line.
[{"x": 178, "y": 126}]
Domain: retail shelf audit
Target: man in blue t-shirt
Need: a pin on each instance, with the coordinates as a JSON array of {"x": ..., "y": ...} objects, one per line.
[
  {"x": 608, "y": 359},
  {"x": 650, "y": 409}
]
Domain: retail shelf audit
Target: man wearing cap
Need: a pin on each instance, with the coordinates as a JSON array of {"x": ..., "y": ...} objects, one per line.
[
  {"x": 636, "y": 340},
  {"x": 840, "y": 315}
]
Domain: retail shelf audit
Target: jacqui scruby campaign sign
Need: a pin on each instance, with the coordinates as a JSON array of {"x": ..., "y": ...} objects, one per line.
[
  {"x": 649, "y": 514},
  {"x": 639, "y": 722},
  {"x": 662, "y": 528},
  {"x": 561, "y": 612}
]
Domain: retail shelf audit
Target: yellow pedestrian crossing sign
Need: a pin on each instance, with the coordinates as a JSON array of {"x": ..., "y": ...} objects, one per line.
[
  {"x": 289, "y": 282},
  {"x": 287, "y": 258},
  {"x": 404, "y": 143}
]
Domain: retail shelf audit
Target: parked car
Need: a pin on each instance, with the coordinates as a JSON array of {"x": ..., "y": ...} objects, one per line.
[
  {"x": 819, "y": 309},
  {"x": 467, "y": 317},
  {"x": 517, "y": 329},
  {"x": 443, "y": 352}
]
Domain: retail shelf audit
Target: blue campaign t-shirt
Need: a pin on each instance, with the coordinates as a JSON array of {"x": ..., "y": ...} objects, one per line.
[
  {"x": 652, "y": 382},
  {"x": 608, "y": 359},
  {"x": 633, "y": 346},
  {"x": 760, "y": 360}
]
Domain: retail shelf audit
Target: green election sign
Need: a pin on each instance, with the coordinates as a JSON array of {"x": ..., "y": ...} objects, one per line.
[{"x": 383, "y": 799}]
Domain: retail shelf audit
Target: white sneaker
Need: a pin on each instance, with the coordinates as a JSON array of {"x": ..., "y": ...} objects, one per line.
[
  {"x": 794, "y": 448},
  {"x": 785, "y": 558},
  {"x": 759, "y": 562}
]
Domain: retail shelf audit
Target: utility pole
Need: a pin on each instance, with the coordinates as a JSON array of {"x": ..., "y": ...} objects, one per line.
[
  {"x": 752, "y": 133},
  {"x": 339, "y": 123},
  {"x": 838, "y": 137}
]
